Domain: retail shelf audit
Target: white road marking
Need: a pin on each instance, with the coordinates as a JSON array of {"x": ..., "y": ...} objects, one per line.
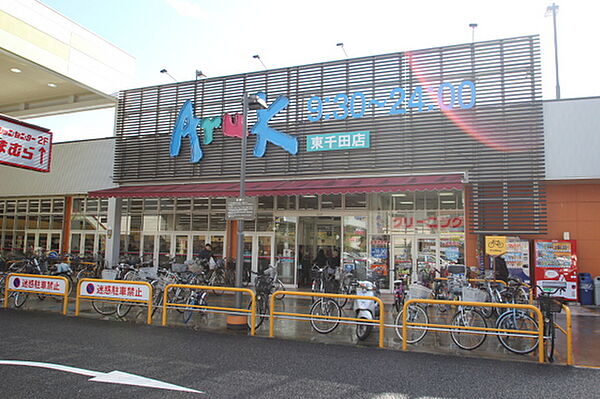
[{"x": 113, "y": 377}]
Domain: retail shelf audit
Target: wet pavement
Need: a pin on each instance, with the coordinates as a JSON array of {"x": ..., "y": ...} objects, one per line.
[{"x": 586, "y": 328}]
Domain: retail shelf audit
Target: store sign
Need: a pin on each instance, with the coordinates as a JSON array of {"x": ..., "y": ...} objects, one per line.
[
  {"x": 187, "y": 125},
  {"x": 495, "y": 245},
  {"x": 125, "y": 291},
  {"x": 241, "y": 208},
  {"x": 24, "y": 146},
  {"x": 432, "y": 222},
  {"x": 38, "y": 284},
  {"x": 338, "y": 141},
  {"x": 445, "y": 97}
]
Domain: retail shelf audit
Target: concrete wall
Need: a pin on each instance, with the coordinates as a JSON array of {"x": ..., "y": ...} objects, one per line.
[
  {"x": 76, "y": 168},
  {"x": 572, "y": 138}
]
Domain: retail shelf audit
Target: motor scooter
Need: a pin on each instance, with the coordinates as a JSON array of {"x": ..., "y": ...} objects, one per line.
[{"x": 367, "y": 309}]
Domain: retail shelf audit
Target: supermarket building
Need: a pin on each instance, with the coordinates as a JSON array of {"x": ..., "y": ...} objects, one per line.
[{"x": 407, "y": 157}]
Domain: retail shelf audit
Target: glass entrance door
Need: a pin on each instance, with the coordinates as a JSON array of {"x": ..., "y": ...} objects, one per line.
[
  {"x": 427, "y": 256},
  {"x": 259, "y": 251},
  {"x": 413, "y": 255}
]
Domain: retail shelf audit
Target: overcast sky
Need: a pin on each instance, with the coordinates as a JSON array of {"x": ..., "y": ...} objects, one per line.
[{"x": 220, "y": 37}]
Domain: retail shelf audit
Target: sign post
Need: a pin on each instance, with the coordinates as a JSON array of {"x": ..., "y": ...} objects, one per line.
[{"x": 241, "y": 208}]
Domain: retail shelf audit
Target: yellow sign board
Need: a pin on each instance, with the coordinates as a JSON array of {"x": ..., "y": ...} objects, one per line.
[{"x": 495, "y": 245}]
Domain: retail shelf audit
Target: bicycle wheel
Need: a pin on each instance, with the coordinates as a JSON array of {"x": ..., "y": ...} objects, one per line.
[
  {"x": 217, "y": 280},
  {"x": 487, "y": 311},
  {"x": 278, "y": 286},
  {"x": 261, "y": 312},
  {"x": 70, "y": 280},
  {"x": 20, "y": 298},
  {"x": 521, "y": 296},
  {"x": 188, "y": 312},
  {"x": 84, "y": 273},
  {"x": 517, "y": 320},
  {"x": 123, "y": 308},
  {"x": 468, "y": 318},
  {"x": 325, "y": 307},
  {"x": 550, "y": 335},
  {"x": 105, "y": 308},
  {"x": 416, "y": 314}
]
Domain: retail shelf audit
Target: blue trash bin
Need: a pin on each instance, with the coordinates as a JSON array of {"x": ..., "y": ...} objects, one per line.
[{"x": 586, "y": 289}]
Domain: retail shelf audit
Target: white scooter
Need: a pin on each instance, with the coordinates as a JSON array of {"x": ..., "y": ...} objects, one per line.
[{"x": 367, "y": 309}]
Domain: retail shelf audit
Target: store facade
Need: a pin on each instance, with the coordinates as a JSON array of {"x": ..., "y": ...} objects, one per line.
[{"x": 371, "y": 157}]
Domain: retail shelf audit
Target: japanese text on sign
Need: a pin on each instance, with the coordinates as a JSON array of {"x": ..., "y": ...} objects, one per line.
[
  {"x": 338, "y": 141},
  {"x": 41, "y": 284},
  {"x": 25, "y": 147},
  {"x": 125, "y": 291}
]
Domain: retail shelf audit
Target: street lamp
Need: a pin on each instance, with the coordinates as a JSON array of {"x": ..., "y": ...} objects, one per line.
[
  {"x": 473, "y": 26},
  {"x": 552, "y": 10},
  {"x": 168, "y": 74},
  {"x": 257, "y": 57},
  {"x": 249, "y": 102},
  {"x": 343, "y": 49}
]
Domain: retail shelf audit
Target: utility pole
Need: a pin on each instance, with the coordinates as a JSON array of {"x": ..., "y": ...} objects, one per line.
[{"x": 554, "y": 9}]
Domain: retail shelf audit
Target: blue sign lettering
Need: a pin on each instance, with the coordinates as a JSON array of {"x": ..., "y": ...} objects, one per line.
[
  {"x": 338, "y": 141},
  {"x": 185, "y": 126},
  {"x": 265, "y": 134}
]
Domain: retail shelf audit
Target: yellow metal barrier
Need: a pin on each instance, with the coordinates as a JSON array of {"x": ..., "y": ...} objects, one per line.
[
  {"x": 540, "y": 320},
  {"x": 252, "y": 309},
  {"x": 303, "y": 316},
  {"x": 568, "y": 333},
  {"x": 64, "y": 294},
  {"x": 92, "y": 297}
]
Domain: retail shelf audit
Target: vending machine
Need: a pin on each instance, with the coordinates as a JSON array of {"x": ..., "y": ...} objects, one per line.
[
  {"x": 517, "y": 258},
  {"x": 556, "y": 264}
]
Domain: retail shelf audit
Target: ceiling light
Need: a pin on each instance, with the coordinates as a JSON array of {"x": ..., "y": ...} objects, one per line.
[
  {"x": 15, "y": 70},
  {"x": 309, "y": 196},
  {"x": 52, "y": 84},
  {"x": 399, "y": 195},
  {"x": 446, "y": 194},
  {"x": 406, "y": 202},
  {"x": 447, "y": 202}
]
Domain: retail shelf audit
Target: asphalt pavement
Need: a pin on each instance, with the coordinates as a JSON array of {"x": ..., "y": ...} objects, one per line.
[{"x": 233, "y": 365}]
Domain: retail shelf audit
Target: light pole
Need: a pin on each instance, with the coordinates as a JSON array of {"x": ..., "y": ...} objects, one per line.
[
  {"x": 341, "y": 45},
  {"x": 168, "y": 74},
  {"x": 249, "y": 102},
  {"x": 554, "y": 9},
  {"x": 473, "y": 26},
  {"x": 257, "y": 57}
]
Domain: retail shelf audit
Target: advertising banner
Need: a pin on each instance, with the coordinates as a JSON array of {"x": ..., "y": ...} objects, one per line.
[{"x": 25, "y": 146}]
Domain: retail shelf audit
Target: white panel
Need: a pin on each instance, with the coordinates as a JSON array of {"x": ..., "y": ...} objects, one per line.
[
  {"x": 77, "y": 167},
  {"x": 572, "y": 138}
]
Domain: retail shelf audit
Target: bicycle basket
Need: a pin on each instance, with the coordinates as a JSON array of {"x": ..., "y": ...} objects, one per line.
[
  {"x": 473, "y": 295},
  {"x": 264, "y": 284},
  {"x": 417, "y": 291},
  {"x": 179, "y": 267},
  {"x": 550, "y": 305}
]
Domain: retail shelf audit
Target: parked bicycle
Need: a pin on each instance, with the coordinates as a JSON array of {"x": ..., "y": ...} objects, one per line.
[{"x": 264, "y": 287}]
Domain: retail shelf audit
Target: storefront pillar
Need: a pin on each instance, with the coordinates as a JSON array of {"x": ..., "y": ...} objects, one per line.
[
  {"x": 66, "y": 227},
  {"x": 232, "y": 239},
  {"x": 113, "y": 233}
]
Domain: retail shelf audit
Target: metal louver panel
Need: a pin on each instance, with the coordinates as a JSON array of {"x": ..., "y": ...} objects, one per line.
[{"x": 498, "y": 143}]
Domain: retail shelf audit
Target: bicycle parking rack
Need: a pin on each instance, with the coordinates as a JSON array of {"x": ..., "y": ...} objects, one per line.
[
  {"x": 568, "y": 331},
  {"x": 114, "y": 290},
  {"x": 39, "y": 283},
  {"x": 483, "y": 280},
  {"x": 341, "y": 319},
  {"x": 214, "y": 309},
  {"x": 475, "y": 330}
]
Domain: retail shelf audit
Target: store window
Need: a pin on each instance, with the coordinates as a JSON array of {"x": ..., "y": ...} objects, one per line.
[
  {"x": 355, "y": 201},
  {"x": 286, "y": 202},
  {"x": 308, "y": 202},
  {"x": 266, "y": 203},
  {"x": 331, "y": 201},
  {"x": 285, "y": 244},
  {"x": 355, "y": 237}
]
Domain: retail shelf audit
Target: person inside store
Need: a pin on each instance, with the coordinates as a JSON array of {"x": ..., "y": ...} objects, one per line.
[
  {"x": 501, "y": 271},
  {"x": 206, "y": 255},
  {"x": 321, "y": 259},
  {"x": 334, "y": 260}
]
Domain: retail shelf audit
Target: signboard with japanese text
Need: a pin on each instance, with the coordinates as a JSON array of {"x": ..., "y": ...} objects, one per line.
[
  {"x": 338, "y": 141},
  {"x": 48, "y": 285},
  {"x": 24, "y": 146},
  {"x": 241, "y": 208},
  {"x": 115, "y": 290}
]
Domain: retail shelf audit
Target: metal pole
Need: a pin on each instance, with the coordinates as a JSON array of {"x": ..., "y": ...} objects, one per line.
[
  {"x": 240, "y": 223},
  {"x": 554, "y": 8}
]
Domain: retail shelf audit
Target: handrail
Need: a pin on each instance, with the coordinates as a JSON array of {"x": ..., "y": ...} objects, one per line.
[
  {"x": 531, "y": 308},
  {"x": 64, "y": 294},
  {"x": 303, "y": 316},
  {"x": 125, "y": 283},
  {"x": 252, "y": 309}
]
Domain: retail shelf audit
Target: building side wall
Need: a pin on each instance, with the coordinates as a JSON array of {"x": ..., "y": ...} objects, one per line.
[
  {"x": 76, "y": 168},
  {"x": 571, "y": 130}
]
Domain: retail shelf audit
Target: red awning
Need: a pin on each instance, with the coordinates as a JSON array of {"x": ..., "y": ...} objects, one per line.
[{"x": 290, "y": 187}]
